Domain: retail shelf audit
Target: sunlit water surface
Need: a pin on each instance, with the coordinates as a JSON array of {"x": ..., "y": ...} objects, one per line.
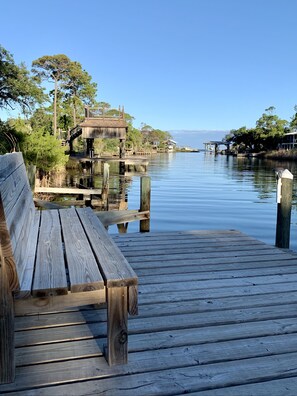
[{"x": 203, "y": 191}]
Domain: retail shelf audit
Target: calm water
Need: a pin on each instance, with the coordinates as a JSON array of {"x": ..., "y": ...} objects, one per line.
[{"x": 203, "y": 191}]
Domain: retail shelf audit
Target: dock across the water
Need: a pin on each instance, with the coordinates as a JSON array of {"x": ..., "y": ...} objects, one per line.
[{"x": 217, "y": 316}]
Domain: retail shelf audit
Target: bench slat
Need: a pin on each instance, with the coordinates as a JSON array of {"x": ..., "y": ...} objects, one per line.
[
  {"x": 83, "y": 269},
  {"x": 50, "y": 276},
  {"x": 27, "y": 269},
  {"x": 8, "y": 163},
  {"x": 18, "y": 204},
  {"x": 114, "y": 267}
]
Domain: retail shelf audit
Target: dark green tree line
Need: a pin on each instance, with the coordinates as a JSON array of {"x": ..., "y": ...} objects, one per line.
[{"x": 266, "y": 134}]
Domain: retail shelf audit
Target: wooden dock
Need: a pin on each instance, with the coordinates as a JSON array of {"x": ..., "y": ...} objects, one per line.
[{"x": 217, "y": 317}]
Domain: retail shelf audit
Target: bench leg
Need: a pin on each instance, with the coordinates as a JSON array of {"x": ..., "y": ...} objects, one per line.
[
  {"x": 117, "y": 326},
  {"x": 7, "y": 362}
]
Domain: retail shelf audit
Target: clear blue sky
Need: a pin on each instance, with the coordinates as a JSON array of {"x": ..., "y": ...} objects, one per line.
[{"x": 174, "y": 64}]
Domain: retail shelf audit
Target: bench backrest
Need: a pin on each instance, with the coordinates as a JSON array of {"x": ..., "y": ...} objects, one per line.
[{"x": 16, "y": 215}]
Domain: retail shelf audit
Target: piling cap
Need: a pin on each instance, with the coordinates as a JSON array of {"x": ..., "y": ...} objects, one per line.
[{"x": 286, "y": 174}]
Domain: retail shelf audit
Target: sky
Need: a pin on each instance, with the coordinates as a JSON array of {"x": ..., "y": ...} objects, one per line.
[{"x": 173, "y": 64}]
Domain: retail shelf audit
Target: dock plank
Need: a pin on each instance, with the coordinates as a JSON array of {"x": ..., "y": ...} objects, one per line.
[{"x": 217, "y": 316}]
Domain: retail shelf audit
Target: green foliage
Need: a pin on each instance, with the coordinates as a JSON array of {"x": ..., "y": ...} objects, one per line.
[
  {"x": 51, "y": 67},
  {"x": 41, "y": 119},
  {"x": 293, "y": 123},
  {"x": 155, "y": 137},
  {"x": 10, "y": 139},
  {"x": 73, "y": 88},
  {"x": 17, "y": 87},
  {"x": 44, "y": 150},
  {"x": 79, "y": 89},
  {"x": 134, "y": 138},
  {"x": 266, "y": 135}
]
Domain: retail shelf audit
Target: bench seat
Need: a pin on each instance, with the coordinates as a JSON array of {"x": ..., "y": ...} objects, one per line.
[{"x": 55, "y": 259}]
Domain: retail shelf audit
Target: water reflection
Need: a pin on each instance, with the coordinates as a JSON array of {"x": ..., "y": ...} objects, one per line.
[{"x": 204, "y": 191}]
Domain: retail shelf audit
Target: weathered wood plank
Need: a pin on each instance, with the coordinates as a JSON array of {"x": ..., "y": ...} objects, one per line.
[
  {"x": 185, "y": 277},
  {"x": 180, "y": 246},
  {"x": 191, "y": 250},
  {"x": 242, "y": 261},
  {"x": 114, "y": 267},
  {"x": 168, "y": 322},
  {"x": 26, "y": 266},
  {"x": 121, "y": 216},
  {"x": 117, "y": 326},
  {"x": 83, "y": 269},
  {"x": 183, "y": 240},
  {"x": 7, "y": 360},
  {"x": 67, "y": 190},
  {"x": 263, "y": 263},
  {"x": 173, "y": 381},
  {"x": 52, "y": 303},
  {"x": 283, "y": 386},
  {"x": 208, "y": 293},
  {"x": 219, "y": 283},
  {"x": 16, "y": 216},
  {"x": 203, "y": 253},
  {"x": 133, "y": 300},
  {"x": 165, "y": 234},
  {"x": 6, "y": 251},
  {"x": 199, "y": 337},
  {"x": 153, "y": 360},
  {"x": 50, "y": 276},
  {"x": 184, "y": 307},
  {"x": 8, "y": 164},
  {"x": 160, "y": 340}
]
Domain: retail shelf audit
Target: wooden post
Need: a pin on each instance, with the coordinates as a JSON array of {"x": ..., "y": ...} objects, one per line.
[
  {"x": 7, "y": 360},
  {"x": 105, "y": 185},
  {"x": 145, "y": 201},
  {"x": 117, "y": 325},
  {"x": 284, "y": 205},
  {"x": 122, "y": 148},
  {"x": 122, "y": 168}
]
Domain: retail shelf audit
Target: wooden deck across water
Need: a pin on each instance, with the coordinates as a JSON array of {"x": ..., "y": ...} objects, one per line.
[{"x": 217, "y": 316}]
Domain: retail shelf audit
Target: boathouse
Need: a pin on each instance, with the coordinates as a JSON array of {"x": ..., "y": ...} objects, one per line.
[
  {"x": 213, "y": 146},
  {"x": 98, "y": 125}
]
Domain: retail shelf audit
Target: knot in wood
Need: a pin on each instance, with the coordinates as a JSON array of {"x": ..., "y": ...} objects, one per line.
[{"x": 123, "y": 337}]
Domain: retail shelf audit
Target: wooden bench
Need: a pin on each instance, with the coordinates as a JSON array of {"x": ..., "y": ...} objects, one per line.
[{"x": 55, "y": 259}]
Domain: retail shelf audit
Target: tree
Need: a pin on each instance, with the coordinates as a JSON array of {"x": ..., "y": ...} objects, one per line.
[
  {"x": 44, "y": 150},
  {"x": 266, "y": 135},
  {"x": 270, "y": 129},
  {"x": 134, "y": 138},
  {"x": 41, "y": 119},
  {"x": 53, "y": 68},
  {"x": 79, "y": 88},
  {"x": 17, "y": 87},
  {"x": 293, "y": 123}
]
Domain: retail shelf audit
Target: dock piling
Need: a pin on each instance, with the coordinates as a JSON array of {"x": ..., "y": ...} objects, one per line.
[
  {"x": 145, "y": 201},
  {"x": 284, "y": 206},
  {"x": 105, "y": 185}
]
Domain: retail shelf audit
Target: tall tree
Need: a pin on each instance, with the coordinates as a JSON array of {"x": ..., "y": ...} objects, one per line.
[
  {"x": 79, "y": 88},
  {"x": 53, "y": 68},
  {"x": 17, "y": 87}
]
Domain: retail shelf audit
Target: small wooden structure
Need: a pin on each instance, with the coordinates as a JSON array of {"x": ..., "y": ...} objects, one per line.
[
  {"x": 57, "y": 258},
  {"x": 98, "y": 125},
  {"x": 213, "y": 146}
]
